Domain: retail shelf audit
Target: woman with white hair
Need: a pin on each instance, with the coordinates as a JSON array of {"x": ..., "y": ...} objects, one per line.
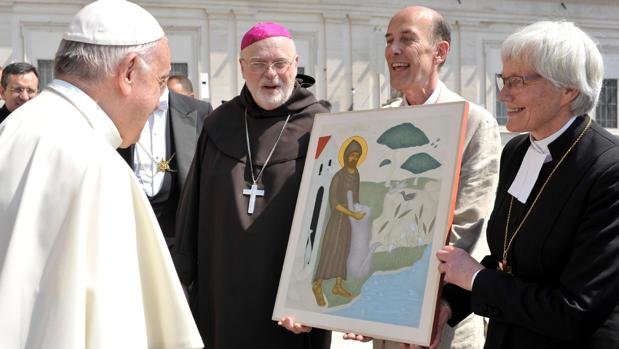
[{"x": 552, "y": 279}]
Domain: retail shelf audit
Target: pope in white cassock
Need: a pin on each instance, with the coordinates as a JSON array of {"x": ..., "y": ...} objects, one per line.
[{"x": 83, "y": 263}]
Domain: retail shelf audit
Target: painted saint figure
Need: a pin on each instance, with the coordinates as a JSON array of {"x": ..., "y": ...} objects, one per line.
[{"x": 337, "y": 236}]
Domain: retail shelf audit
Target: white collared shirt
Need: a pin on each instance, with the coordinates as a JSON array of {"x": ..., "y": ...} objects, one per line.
[
  {"x": 153, "y": 139},
  {"x": 536, "y": 156},
  {"x": 433, "y": 97}
]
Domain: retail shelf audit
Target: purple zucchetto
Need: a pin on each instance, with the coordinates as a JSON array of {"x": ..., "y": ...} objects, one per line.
[{"x": 264, "y": 30}]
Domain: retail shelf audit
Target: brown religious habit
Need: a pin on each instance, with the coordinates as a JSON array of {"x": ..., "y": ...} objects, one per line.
[{"x": 233, "y": 259}]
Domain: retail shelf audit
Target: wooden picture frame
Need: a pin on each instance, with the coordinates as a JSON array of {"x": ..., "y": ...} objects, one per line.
[{"x": 375, "y": 204}]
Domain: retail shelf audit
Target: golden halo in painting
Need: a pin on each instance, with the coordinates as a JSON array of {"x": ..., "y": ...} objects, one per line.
[{"x": 364, "y": 149}]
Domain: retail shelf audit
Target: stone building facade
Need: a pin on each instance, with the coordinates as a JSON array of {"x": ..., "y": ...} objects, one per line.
[{"x": 341, "y": 42}]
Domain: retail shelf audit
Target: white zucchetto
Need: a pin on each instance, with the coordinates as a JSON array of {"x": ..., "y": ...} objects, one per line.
[{"x": 113, "y": 23}]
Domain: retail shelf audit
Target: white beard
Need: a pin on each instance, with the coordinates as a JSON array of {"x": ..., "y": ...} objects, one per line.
[{"x": 277, "y": 98}]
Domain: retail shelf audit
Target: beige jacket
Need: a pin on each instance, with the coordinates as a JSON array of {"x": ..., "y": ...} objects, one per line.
[
  {"x": 476, "y": 191},
  {"x": 478, "y": 176}
]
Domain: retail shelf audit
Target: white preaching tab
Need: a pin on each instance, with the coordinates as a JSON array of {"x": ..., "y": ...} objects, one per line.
[
  {"x": 537, "y": 154},
  {"x": 527, "y": 174}
]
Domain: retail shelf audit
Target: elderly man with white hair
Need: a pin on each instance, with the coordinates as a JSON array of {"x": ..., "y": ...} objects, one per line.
[
  {"x": 552, "y": 279},
  {"x": 83, "y": 263},
  {"x": 237, "y": 205}
]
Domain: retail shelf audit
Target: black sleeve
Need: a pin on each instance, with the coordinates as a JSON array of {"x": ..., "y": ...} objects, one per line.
[
  {"x": 587, "y": 289},
  {"x": 460, "y": 299},
  {"x": 184, "y": 251}
]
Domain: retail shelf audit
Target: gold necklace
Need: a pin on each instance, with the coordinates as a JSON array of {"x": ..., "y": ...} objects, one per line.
[
  {"x": 163, "y": 165},
  {"x": 503, "y": 267}
]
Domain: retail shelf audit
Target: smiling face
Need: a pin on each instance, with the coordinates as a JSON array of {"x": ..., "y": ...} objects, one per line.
[
  {"x": 269, "y": 68},
  {"x": 146, "y": 81},
  {"x": 538, "y": 106},
  {"x": 19, "y": 90},
  {"x": 412, "y": 57},
  {"x": 152, "y": 80}
]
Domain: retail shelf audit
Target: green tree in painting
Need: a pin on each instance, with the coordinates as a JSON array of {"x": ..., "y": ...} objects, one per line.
[
  {"x": 420, "y": 163},
  {"x": 401, "y": 230},
  {"x": 407, "y": 135}
]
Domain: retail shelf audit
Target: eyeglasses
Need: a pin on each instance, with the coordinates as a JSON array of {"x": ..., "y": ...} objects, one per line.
[
  {"x": 162, "y": 81},
  {"x": 515, "y": 81},
  {"x": 19, "y": 90},
  {"x": 279, "y": 66}
]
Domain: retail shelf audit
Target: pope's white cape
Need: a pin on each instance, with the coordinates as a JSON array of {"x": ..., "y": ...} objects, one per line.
[{"x": 83, "y": 263}]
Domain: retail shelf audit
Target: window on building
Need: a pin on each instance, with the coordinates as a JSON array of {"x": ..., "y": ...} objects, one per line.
[
  {"x": 180, "y": 69},
  {"x": 500, "y": 111},
  {"x": 606, "y": 110},
  {"x": 45, "y": 68}
]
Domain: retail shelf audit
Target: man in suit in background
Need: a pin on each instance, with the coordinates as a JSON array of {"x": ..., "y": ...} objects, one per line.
[
  {"x": 162, "y": 156},
  {"x": 18, "y": 84}
]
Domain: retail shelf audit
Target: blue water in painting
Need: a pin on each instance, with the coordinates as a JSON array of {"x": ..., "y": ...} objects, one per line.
[{"x": 404, "y": 307}]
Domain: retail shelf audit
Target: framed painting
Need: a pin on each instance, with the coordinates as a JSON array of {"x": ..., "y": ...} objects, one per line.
[{"x": 375, "y": 204}]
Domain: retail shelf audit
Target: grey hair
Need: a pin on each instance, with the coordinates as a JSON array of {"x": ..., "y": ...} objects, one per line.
[
  {"x": 91, "y": 63},
  {"x": 562, "y": 53},
  {"x": 441, "y": 31}
]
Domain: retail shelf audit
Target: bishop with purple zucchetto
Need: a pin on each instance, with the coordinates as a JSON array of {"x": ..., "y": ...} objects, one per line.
[{"x": 238, "y": 202}]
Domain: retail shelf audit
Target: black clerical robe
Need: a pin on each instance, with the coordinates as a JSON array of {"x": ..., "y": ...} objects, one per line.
[
  {"x": 4, "y": 112},
  {"x": 565, "y": 283},
  {"x": 232, "y": 259}
]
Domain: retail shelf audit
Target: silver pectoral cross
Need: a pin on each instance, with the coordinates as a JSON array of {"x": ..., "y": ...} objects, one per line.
[{"x": 253, "y": 191}]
